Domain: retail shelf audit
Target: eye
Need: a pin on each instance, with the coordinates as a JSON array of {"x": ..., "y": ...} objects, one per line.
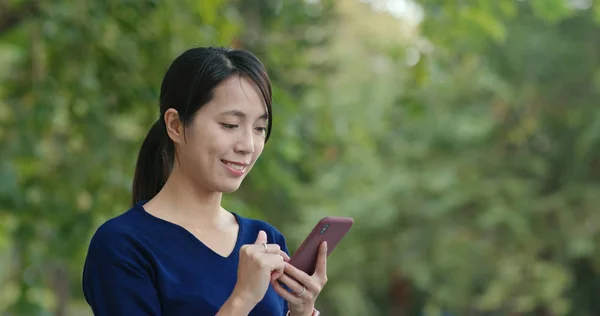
[
  {"x": 229, "y": 126},
  {"x": 261, "y": 129}
]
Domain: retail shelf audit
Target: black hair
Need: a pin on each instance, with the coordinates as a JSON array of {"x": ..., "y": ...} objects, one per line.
[{"x": 187, "y": 86}]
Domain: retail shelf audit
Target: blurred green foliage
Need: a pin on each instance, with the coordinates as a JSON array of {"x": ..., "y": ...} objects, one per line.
[{"x": 466, "y": 147}]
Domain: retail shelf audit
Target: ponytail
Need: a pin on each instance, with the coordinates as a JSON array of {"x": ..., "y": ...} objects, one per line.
[{"x": 153, "y": 164}]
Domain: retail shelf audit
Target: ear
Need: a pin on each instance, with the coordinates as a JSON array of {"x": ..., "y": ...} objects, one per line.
[{"x": 174, "y": 126}]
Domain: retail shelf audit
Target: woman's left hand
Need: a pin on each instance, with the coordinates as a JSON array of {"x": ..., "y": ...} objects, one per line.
[{"x": 307, "y": 287}]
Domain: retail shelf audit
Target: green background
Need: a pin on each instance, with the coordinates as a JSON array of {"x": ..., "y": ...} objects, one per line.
[{"x": 462, "y": 136}]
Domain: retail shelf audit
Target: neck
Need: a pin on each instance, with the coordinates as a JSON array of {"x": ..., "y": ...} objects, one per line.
[{"x": 182, "y": 200}]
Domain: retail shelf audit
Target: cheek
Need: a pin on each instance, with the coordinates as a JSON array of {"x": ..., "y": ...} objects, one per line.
[
  {"x": 259, "y": 145},
  {"x": 199, "y": 149}
]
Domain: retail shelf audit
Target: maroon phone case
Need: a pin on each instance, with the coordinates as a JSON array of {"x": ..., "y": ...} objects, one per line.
[{"x": 306, "y": 256}]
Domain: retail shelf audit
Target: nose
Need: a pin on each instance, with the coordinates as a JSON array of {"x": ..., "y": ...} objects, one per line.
[{"x": 245, "y": 143}]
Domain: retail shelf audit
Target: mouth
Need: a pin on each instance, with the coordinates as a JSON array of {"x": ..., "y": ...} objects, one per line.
[{"x": 237, "y": 166}]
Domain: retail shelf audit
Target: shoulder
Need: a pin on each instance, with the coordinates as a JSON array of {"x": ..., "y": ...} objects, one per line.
[
  {"x": 253, "y": 226},
  {"x": 117, "y": 239}
]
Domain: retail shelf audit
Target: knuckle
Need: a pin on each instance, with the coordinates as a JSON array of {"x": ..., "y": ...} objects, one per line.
[
  {"x": 318, "y": 288},
  {"x": 252, "y": 254}
]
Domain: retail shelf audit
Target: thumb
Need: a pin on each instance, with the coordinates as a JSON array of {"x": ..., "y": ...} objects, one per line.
[{"x": 261, "y": 238}]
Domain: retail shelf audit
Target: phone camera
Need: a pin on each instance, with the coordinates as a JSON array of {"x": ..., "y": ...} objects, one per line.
[{"x": 324, "y": 228}]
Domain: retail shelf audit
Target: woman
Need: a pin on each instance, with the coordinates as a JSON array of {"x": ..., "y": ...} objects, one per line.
[{"x": 177, "y": 251}]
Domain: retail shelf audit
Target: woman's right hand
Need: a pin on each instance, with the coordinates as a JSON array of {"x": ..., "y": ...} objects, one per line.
[{"x": 257, "y": 267}]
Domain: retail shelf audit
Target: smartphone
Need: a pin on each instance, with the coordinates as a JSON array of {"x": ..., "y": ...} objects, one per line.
[{"x": 329, "y": 229}]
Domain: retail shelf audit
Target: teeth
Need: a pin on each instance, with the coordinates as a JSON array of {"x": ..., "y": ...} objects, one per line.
[{"x": 234, "y": 166}]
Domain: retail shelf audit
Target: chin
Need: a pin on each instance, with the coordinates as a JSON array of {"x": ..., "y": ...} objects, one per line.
[
  {"x": 229, "y": 187},
  {"x": 229, "y": 190}
]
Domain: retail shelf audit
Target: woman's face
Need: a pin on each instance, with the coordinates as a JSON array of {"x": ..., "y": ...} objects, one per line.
[{"x": 226, "y": 136}]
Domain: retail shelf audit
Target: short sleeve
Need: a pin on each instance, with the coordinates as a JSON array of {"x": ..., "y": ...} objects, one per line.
[
  {"x": 117, "y": 277},
  {"x": 117, "y": 288}
]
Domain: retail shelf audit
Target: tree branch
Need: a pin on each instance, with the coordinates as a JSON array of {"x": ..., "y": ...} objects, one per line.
[{"x": 10, "y": 18}]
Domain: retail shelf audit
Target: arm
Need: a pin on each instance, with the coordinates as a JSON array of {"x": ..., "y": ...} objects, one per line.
[{"x": 235, "y": 305}]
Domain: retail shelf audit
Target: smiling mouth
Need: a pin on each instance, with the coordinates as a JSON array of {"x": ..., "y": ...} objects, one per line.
[{"x": 235, "y": 165}]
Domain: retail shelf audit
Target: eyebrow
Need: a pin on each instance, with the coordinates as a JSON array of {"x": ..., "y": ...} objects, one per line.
[{"x": 241, "y": 114}]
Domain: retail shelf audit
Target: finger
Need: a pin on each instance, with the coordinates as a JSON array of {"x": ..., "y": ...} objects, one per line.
[
  {"x": 291, "y": 283},
  {"x": 275, "y": 275},
  {"x": 271, "y": 248},
  {"x": 321, "y": 266},
  {"x": 285, "y": 294},
  {"x": 279, "y": 266},
  {"x": 298, "y": 274},
  {"x": 274, "y": 262},
  {"x": 261, "y": 238},
  {"x": 285, "y": 256}
]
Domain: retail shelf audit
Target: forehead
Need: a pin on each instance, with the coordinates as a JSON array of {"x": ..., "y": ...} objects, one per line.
[{"x": 237, "y": 94}]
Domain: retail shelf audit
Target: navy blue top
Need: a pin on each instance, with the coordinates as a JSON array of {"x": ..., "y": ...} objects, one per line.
[{"x": 139, "y": 264}]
